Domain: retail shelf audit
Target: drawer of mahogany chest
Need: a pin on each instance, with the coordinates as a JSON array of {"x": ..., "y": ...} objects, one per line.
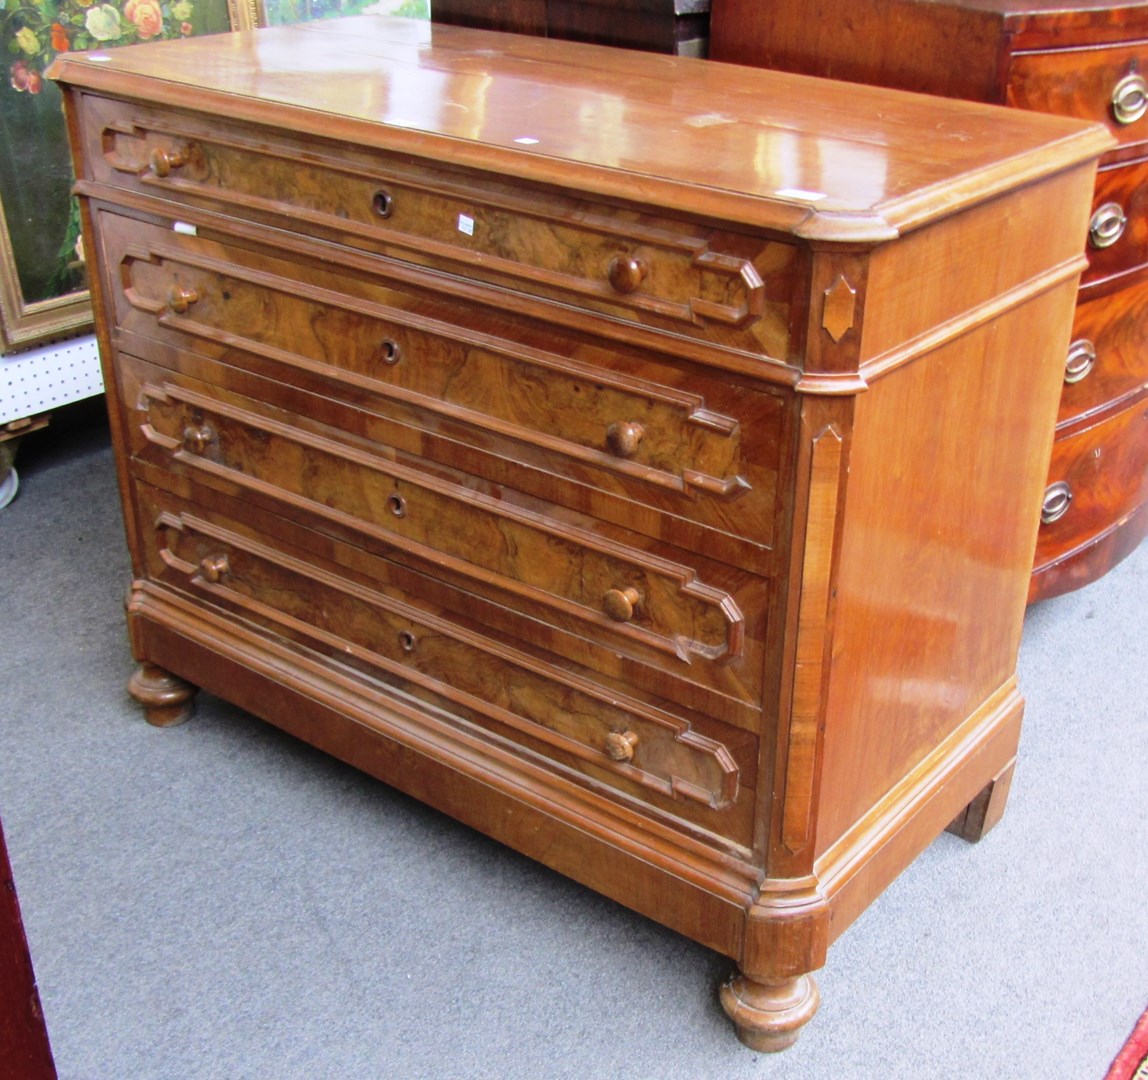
[
  {"x": 1097, "y": 476},
  {"x": 697, "y": 769},
  {"x": 671, "y": 614},
  {"x": 1118, "y": 232},
  {"x": 1108, "y": 357},
  {"x": 673, "y": 274},
  {"x": 1105, "y": 84},
  {"x": 669, "y": 449}
]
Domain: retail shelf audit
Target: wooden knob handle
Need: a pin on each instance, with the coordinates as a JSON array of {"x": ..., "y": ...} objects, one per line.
[
  {"x": 623, "y": 437},
  {"x": 620, "y": 745},
  {"x": 621, "y": 604},
  {"x": 197, "y": 439},
  {"x": 214, "y": 568},
  {"x": 626, "y": 273},
  {"x": 180, "y": 299},
  {"x": 163, "y": 161}
]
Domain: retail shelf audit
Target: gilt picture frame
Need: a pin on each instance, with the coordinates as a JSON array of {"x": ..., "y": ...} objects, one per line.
[{"x": 43, "y": 288}]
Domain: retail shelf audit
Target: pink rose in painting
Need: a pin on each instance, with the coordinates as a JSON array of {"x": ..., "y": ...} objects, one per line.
[
  {"x": 24, "y": 78},
  {"x": 146, "y": 15}
]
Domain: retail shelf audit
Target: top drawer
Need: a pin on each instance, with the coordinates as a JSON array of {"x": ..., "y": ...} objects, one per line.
[
  {"x": 723, "y": 287},
  {"x": 1106, "y": 84}
]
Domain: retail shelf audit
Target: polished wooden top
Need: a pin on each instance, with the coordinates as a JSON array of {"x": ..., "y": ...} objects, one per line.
[{"x": 816, "y": 158}]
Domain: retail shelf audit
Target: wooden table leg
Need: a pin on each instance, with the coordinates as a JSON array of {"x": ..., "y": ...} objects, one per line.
[
  {"x": 986, "y": 809},
  {"x": 167, "y": 700}
]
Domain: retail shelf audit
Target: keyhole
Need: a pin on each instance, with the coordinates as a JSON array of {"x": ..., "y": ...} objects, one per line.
[
  {"x": 397, "y": 505},
  {"x": 407, "y": 641}
]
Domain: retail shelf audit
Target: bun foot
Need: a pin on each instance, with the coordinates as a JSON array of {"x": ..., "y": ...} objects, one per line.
[
  {"x": 167, "y": 700},
  {"x": 770, "y": 1013}
]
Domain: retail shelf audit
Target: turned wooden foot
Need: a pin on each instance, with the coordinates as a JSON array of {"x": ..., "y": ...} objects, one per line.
[
  {"x": 167, "y": 700},
  {"x": 770, "y": 1013},
  {"x": 986, "y": 809}
]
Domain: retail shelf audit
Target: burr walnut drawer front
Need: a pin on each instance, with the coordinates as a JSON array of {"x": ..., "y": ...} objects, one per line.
[
  {"x": 642, "y": 612},
  {"x": 679, "y": 275},
  {"x": 667, "y": 448},
  {"x": 1108, "y": 356},
  {"x": 701, "y": 771},
  {"x": 1105, "y": 84},
  {"x": 1118, "y": 231},
  {"x": 1097, "y": 477}
]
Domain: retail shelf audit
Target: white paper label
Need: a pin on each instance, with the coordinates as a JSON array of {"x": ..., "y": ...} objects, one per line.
[
  {"x": 466, "y": 225},
  {"x": 184, "y": 227}
]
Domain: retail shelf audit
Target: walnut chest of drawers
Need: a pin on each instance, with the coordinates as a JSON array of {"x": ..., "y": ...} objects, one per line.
[
  {"x": 1082, "y": 58},
  {"x": 637, "y": 458}
]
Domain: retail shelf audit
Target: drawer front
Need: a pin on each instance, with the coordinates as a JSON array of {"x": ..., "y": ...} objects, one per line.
[
  {"x": 1108, "y": 357},
  {"x": 672, "y": 615},
  {"x": 1097, "y": 477},
  {"x": 555, "y": 714},
  {"x": 672, "y": 438},
  {"x": 674, "y": 274},
  {"x": 1104, "y": 84},
  {"x": 1118, "y": 233}
]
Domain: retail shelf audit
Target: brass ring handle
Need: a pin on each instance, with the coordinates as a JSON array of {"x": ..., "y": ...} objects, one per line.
[
  {"x": 197, "y": 439},
  {"x": 1107, "y": 225},
  {"x": 621, "y": 604},
  {"x": 1130, "y": 99},
  {"x": 180, "y": 299},
  {"x": 163, "y": 161},
  {"x": 1057, "y": 499},
  {"x": 623, "y": 437},
  {"x": 620, "y": 745},
  {"x": 214, "y": 568},
  {"x": 626, "y": 273},
  {"x": 1081, "y": 360}
]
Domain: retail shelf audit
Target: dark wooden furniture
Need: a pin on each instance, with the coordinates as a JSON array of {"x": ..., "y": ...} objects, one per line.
[
  {"x": 680, "y": 27},
  {"x": 1082, "y": 58},
  {"x": 635, "y": 457},
  {"x": 24, "y": 1048}
]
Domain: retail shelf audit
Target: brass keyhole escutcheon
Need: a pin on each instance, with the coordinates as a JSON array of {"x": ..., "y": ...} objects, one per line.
[
  {"x": 621, "y": 604},
  {"x": 407, "y": 640},
  {"x": 383, "y": 203},
  {"x": 397, "y": 505},
  {"x": 390, "y": 351}
]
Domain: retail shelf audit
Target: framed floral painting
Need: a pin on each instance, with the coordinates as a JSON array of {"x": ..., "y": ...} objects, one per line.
[{"x": 43, "y": 291}]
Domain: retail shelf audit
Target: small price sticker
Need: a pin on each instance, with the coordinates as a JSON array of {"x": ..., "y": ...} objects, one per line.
[{"x": 466, "y": 225}]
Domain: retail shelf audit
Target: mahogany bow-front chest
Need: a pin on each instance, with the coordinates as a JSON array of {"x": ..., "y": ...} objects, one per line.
[
  {"x": 636, "y": 458},
  {"x": 1082, "y": 58}
]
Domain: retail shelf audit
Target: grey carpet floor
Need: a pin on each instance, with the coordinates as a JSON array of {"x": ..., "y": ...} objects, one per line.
[{"x": 220, "y": 901}]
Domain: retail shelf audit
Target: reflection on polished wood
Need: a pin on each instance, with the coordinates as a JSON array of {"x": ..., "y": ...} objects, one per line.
[
  {"x": 636, "y": 458},
  {"x": 1054, "y": 56}
]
